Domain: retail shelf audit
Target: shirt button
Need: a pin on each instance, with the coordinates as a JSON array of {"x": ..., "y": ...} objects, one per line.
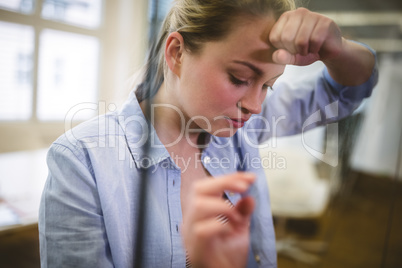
[
  {"x": 207, "y": 160},
  {"x": 174, "y": 182},
  {"x": 177, "y": 228},
  {"x": 257, "y": 258}
]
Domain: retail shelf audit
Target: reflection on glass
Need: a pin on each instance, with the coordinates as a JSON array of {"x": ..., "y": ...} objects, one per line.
[
  {"x": 23, "y": 6},
  {"x": 68, "y": 71},
  {"x": 16, "y": 50},
  {"x": 85, "y": 13}
]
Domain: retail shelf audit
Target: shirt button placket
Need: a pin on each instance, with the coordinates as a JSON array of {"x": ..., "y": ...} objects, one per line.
[{"x": 175, "y": 216}]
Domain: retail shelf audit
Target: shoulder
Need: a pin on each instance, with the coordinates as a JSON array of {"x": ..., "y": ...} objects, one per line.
[
  {"x": 93, "y": 138},
  {"x": 91, "y": 133}
]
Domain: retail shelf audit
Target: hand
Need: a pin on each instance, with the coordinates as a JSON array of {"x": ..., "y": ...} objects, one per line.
[
  {"x": 303, "y": 37},
  {"x": 210, "y": 243}
]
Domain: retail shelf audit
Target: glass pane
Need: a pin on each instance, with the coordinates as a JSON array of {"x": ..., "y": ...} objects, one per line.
[
  {"x": 68, "y": 73},
  {"x": 85, "y": 13},
  {"x": 23, "y": 6},
  {"x": 16, "y": 50}
]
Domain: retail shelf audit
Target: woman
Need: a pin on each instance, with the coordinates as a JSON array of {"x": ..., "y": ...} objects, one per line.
[{"x": 206, "y": 83}]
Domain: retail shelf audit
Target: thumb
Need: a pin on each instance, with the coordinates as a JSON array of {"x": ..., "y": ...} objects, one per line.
[
  {"x": 282, "y": 56},
  {"x": 246, "y": 206}
]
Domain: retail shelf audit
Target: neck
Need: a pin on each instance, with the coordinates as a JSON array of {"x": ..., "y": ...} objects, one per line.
[{"x": 170, "y": 121}]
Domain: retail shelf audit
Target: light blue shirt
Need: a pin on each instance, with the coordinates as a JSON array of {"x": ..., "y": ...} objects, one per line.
[{"x": 87, "y": 215}]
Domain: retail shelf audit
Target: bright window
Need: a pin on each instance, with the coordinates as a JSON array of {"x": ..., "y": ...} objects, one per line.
[
  {"x": 16, "y": 53},
  {"x": 23, "y": 6},
  {"x": 68, "y": 67},
  {"x": 49, "y": 58},
  {"x": 80, "y": 12}
]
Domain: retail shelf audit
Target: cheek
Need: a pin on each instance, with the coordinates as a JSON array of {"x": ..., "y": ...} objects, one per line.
[
  {"x": 216, "y": 89},
  {"x": 225, "y": 98}
]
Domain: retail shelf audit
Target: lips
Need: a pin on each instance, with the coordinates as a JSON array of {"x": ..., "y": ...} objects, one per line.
[{"x": 237, "y": 122}]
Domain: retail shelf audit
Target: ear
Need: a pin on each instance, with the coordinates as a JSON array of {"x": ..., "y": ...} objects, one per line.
[{"x": 174, "y": 52}]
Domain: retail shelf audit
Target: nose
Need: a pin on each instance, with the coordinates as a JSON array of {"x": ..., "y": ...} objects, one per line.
[{"x": 251, "y": 102}]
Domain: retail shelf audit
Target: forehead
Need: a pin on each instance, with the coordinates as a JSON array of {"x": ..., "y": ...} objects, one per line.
[{"x": 248, "y": 40}]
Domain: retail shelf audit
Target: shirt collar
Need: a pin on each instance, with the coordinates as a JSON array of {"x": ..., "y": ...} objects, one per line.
[{"x": 134, "y": 126}]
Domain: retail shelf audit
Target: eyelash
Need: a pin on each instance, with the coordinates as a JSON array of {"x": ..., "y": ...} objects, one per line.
[
  {"x": 238, "y": 83},
  {"x": 267, "y": 87}
]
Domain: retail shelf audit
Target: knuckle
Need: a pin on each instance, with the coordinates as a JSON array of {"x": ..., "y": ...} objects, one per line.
[
  {"x": 302, "y": 10},
  {"x": 274, "y": 39},
  {"x": 326, "y": 22},
  {"x": 315, "y": 41},
  {"x": 287, "y": 13},
  {"x": 287, "y": 38},
  {"x": 301, "y": 43}
]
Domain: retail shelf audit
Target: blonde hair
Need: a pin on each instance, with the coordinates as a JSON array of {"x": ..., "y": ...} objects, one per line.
[{"x": 200, "y": 21}]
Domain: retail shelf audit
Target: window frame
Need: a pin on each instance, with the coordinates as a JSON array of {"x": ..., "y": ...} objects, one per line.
[
  {"x": 38, "y": 24},
  {"x": 121, "y": 53}
]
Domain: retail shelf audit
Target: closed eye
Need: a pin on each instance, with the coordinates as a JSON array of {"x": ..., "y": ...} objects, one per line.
[{"x": 237, "y": 82}]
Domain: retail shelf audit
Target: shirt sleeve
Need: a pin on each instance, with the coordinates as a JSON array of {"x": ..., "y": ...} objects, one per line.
[
  {"x": 307, "y": 97},
  {"x": 71, "y": 226}
]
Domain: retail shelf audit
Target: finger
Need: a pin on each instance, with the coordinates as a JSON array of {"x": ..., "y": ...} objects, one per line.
[
  {"x": 236, "y": 182},
  {"x": 302, "y": 39},
  {"x": 200, "y": 235},
  {"x": 204, "y": 230},
  {"x": 319, "y": 34},
  {"x": 276, "y": 31},
  {"x": 289, "y": 32},
  {"x": 207, "y": 229},
  {"x": 211, "y": 207},
  {"x": 282, "y": 56}
]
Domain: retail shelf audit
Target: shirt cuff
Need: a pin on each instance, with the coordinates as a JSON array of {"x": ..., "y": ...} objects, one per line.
[{"x": 355, "y": 92}]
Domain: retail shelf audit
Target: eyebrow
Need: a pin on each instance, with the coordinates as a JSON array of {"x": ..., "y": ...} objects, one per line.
[{"x": 257, "y": 70}]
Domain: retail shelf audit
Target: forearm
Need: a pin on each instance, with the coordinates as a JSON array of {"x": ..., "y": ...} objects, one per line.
[{"x": 353, "y": 66}]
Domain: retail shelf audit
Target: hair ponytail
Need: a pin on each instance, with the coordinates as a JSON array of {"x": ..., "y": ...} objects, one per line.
[{"x": 153, "y": 76}]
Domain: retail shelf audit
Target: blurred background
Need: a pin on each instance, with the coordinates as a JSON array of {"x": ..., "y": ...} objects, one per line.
[{"x": 337, "y": 202}]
